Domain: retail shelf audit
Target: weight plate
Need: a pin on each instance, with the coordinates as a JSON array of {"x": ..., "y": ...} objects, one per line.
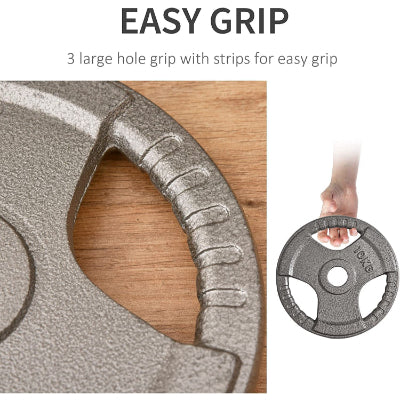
[
  {"x": 62, "y": 333},
  {"x": 368, "y": 257}
]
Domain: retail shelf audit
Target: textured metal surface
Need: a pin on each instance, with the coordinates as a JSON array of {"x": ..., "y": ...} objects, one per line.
[
  {"x": 305, "y": 259},
  {"x": 59, "y": 332}
]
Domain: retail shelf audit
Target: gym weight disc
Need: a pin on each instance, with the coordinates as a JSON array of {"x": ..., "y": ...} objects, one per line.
[{"x": 368, "y": 257}]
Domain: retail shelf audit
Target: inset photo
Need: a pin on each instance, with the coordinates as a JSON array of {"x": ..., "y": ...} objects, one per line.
[{"x": 133, "y": 237}]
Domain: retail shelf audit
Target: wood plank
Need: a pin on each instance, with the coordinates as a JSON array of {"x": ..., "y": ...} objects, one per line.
[{"x": 126, "y": 238}]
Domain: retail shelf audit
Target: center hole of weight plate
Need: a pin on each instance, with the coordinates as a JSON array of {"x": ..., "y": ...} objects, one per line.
[{"x": 337, "y": 276}]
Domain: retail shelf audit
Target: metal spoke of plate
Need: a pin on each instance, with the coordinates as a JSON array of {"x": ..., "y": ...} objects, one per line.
[{"x": 338, "y": 312}]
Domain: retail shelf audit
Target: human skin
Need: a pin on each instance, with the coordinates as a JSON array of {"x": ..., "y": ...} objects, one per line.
[{"x": 340, "y": 197}]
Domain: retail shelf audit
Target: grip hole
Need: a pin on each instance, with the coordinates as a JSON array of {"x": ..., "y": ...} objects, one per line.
[
  {"x": 304, "y": 296},
  {"x": 371, "y": 294},
  {"x": 328, "y": 245},
  {"x": 129, "y": 244}
]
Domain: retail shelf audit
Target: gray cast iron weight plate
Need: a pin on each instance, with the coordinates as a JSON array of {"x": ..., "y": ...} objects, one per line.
[
  {"x": 338, "y": 313},
  {"x": 59, "y": 332}
]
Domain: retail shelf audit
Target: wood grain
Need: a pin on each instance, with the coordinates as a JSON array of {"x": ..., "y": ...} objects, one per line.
[{"x": 126, "y": 238}]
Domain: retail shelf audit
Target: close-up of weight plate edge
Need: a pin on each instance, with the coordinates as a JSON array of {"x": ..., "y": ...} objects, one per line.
[{"x": 133, "y": 236}]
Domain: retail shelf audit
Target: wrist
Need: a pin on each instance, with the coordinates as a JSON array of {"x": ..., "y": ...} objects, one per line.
[{"x": 344, "y": 184}]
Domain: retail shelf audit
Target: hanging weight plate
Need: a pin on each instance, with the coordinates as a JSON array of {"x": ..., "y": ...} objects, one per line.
[{"x": 368, "y": 257}]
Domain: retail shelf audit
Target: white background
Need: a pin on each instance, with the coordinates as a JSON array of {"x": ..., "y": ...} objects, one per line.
[{"x": 307, "y": 109}]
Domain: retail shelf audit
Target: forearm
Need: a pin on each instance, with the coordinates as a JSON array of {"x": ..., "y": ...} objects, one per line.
[{"x": 346, "y": 157}]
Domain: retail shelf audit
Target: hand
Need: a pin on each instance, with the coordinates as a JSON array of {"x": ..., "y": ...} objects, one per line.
[{"x": 338, "y": 200}]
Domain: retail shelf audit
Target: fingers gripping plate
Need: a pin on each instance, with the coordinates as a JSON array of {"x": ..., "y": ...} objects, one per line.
[{"x": 338, "y": 312}]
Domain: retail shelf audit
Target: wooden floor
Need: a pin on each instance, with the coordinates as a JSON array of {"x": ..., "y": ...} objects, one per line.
[{"x": 126, "y": 238}]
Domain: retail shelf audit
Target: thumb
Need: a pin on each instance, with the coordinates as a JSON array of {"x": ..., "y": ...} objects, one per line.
[{"x": 329, "y": 206}]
